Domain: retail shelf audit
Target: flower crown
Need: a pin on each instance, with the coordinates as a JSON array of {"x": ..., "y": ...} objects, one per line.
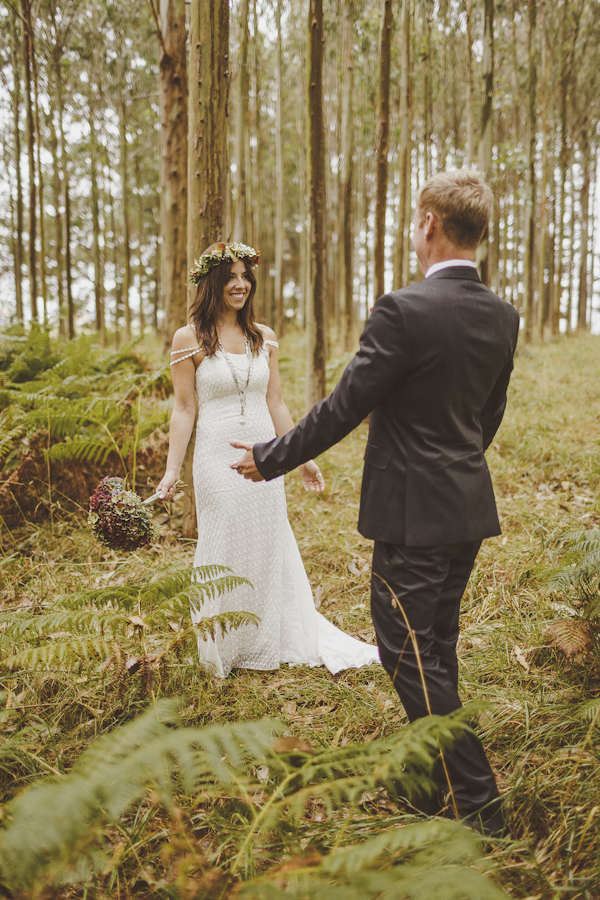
[{"x": 219, "y": 254}]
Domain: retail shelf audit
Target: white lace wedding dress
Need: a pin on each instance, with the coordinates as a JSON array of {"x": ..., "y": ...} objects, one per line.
[{"x": 244, "y": 525}]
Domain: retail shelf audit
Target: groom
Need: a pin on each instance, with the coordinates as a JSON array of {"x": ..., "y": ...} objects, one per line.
[{"x": 432, "y": 371}]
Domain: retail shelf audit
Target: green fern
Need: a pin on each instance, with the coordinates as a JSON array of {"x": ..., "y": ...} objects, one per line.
[
  {"x": 66, "y": 654},
  {"x": 50, "y": 829},
  {"x": 579, "y": 580},
  {"x": 81, "y": 629},
  {"x": 424, "y": 860}
]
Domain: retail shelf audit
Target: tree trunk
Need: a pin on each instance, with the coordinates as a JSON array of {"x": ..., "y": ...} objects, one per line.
[
  {"x": 315, "y": 311},
  {"x": 584, "y": 204},
  {"x": 530, "y": 202},
  {"x": 404, "y": 154},
  {"x": 427, "y": 98},
  {"x": 28, "y": 66},
  {"x": 470, "y": 150},
  {"x": 40, "y": 180},
  {"x": 96, "y": 254},
  {"x": 566, "y": 71},
  {"x": 381, "y": 147},
  {"x": 347, "y": 170},
  {"x": 486, "y": 126},
  {"x": 543, "y": 310},
  {"x": 18, "y": 244},
  {"x": 279, "y": 311},
  {"x": 173, "y": 98},
  {"x": 70, "y": 302},
  {"x": 125, "y": 215},
  {"x": 207, "y": 154},
  {"x": 256, "y": 152},
  {"x": 58, "y": 154},
  {"x": 241, "y": 128},
  {"x": 140, "y": 235},
  {"x": 208, "y": 97}
]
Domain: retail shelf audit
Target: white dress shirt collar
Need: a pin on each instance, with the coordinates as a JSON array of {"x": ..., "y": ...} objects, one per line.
[{"x": 446, "y": 263}]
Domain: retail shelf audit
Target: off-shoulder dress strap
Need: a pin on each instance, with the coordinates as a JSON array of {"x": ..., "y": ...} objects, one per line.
[
  {"x": 188, "y": 351},
  {"x": 271, "y": 343}
]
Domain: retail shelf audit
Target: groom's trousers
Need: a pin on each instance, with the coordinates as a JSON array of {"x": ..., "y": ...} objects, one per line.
[{"x": 427, "y": 584}]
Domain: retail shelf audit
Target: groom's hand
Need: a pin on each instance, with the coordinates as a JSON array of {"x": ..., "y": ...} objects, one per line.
[{"x": 246, "y": 465}]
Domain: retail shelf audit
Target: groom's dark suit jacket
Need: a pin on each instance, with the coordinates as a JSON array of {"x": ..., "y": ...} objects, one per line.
[{"x": 432, "y": 370}]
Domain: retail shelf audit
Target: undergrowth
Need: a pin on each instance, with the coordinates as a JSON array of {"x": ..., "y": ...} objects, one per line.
[{"x": 540, "y": 729}]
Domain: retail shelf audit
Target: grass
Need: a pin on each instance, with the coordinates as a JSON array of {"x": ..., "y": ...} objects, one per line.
[{"x": 545, "y": 464}]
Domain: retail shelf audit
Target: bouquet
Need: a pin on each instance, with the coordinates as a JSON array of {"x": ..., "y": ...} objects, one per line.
[{"x": 119, "y": 518}]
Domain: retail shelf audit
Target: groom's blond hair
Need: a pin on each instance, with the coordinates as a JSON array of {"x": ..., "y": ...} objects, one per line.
[{"x": 462, "y": 202}]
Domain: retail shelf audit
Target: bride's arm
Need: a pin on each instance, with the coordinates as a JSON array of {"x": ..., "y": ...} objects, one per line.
[
  {"x": 280, "y": 414},
  {"x": 183, "y": 416}
]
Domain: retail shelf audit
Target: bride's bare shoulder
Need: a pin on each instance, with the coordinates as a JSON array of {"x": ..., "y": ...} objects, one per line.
[
  {"x": 268, "y": 333},
  {"x": 184, "y": 338}
]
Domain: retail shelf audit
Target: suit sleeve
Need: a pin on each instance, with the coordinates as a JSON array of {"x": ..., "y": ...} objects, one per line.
[
  {"x": 380, "y": 362},
  {"x": 493, "y": 411}
]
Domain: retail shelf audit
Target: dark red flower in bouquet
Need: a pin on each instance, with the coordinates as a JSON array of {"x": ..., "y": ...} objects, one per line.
[{"x": 119, "y": 518}]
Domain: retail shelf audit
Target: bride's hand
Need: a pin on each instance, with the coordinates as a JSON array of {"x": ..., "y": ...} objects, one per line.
[
  {"x": 166, "y": 488},
  {"x": 311, "y": 477}
]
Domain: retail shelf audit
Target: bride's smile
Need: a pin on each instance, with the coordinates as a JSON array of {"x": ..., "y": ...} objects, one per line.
[{"x": 238, "y": 287}]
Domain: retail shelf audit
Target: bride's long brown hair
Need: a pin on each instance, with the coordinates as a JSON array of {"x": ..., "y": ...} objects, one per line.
[{"x": 210, "y": 302}]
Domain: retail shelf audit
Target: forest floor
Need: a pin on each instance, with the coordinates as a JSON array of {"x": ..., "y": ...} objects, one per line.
[{"x": 545, "y": 464}]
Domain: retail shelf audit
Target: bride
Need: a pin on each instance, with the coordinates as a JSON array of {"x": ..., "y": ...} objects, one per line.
[{"x": 226, "y": 363}]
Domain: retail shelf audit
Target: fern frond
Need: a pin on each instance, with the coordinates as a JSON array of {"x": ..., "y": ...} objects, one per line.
[
  {"x": 590, "y": 710},
  {"x": 9, "y": 439},
  {"x": 223, "y": 623},
  {"x": 12, "y": 747},
  {"x": 94, "y": 450},
  {"x": 67, "y": 654},
  {"x": 572, "y": 637},
  {"x": 77, "y": 621},
  {"x": 586, "y": 544},
  {"x": 413, "y": 880},
  {"x": 427, "y": 860},
  {"x": 120, "y": 596},
  {"x": 454, "y": 844},
  {"x": 337, "y": 777},
  {"x": 49, "y": 824}
]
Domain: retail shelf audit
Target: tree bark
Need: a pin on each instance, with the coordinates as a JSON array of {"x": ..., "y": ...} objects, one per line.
[
  {"x": 95, "y": 198},
  {"x": 584, "y": 208},
  {"x": 279, "y": 310},
  {"x": 18, "y": 242},
  {"x": 58, "y": 151},
  {"x": 543, "y": 310},
  {"x": 70, "y": 301},
  {"x": 173, "y": 98},
  {"x": 140, "y": 235},
  {"x": 486, "y": 126},
  {"x": 315, "y": 307},
  {"x": 381, "y": 146},
  {"x": 470, "y": 150},
  {"x": 241, "y": 128},
  {"x": 347, "y": 171},
  {"x": 125, "y": 214},
  {"x": 207, "y": 154},
  {"x": 27, "y": 60},
  {"x": 531, "y": 187},
  {"x": 40, "y": 180},
  {"x": 208, "y": 114},
  {"x": 404, "y": 156}
]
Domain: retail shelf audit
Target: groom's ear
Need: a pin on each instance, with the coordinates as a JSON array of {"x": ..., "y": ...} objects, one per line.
[{"x": 432, "y": 224}]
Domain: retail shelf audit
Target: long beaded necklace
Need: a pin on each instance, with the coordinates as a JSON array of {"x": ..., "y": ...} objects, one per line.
[{"x": 241, "y": 390}]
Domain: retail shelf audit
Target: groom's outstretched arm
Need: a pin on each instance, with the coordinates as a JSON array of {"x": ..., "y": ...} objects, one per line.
[{"x": 380, "y": 362}]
